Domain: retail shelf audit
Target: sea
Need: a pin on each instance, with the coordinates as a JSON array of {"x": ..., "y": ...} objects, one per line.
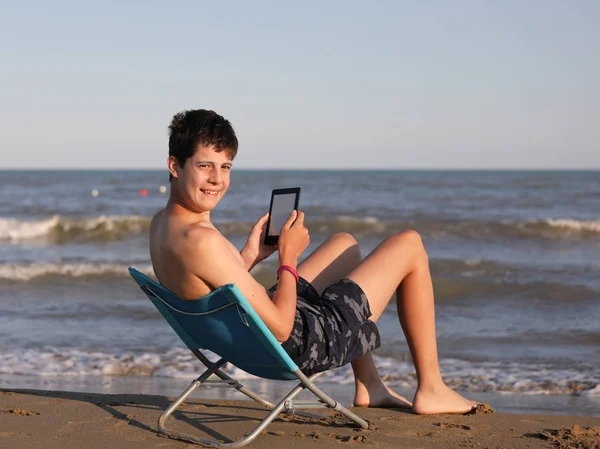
[{"x": 514, "y": 255}]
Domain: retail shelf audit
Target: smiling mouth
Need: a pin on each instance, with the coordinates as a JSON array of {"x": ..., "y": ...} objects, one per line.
[{"x": 210, "y": 192}]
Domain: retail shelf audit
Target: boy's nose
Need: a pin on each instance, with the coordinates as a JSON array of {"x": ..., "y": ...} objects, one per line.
[{"x": 215, "y": 177}]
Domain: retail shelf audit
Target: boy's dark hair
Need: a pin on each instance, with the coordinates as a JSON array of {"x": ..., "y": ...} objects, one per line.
[{"x": 188, "y": 129}]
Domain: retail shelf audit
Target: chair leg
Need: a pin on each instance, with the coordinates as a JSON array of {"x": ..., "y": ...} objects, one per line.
[
  {"x": 285, "y": 405},
  {"x": 183, "y": 396},
  {"x": 307, "y": 382},
  {"x": 276, "y": 410},
  {"x": 238, "y": 386},
  {"x": 291, "y": 407}
]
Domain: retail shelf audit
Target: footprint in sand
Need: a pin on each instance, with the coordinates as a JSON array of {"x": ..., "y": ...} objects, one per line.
[
  {"x": 575, "y": 436},
  {"x": 276, "y": 433},
  {"x": 10, "y": 434},
  {"x": 353, "y": 439},
  {"x": 482, "y": 408},
  {"x": 19, "y": 411},
  {"x": 451, "y": 426}
]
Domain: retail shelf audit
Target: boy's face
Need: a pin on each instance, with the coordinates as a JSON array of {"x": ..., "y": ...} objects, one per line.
[{"x": 204, "y": 179}]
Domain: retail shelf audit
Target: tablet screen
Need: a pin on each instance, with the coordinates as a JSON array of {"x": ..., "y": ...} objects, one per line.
[{"x": 283, "y": 205}]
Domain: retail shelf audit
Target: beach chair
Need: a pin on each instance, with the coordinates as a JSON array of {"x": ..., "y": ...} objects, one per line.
[{"x": 224, "y": 322}]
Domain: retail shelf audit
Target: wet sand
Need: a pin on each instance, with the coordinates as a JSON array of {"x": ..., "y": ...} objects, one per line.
[{"x": 56, "y": 419}]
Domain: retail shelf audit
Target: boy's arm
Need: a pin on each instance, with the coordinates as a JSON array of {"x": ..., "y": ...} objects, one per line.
[
  {"x": 250, "y": 261},
  {"x": 255, "y": 251},
  {"x": 211, "y": 259}
]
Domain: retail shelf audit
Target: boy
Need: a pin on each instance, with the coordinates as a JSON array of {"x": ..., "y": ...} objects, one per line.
[{"x": 324, "y": 310}]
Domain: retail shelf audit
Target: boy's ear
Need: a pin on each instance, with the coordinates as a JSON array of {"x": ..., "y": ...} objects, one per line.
[{"x": 173, "y": 165}]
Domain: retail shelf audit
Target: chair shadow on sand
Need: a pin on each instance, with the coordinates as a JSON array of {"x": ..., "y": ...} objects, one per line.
[{"x": 194, "y": 413}]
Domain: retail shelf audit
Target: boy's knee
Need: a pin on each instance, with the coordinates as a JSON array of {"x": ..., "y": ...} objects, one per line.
[
  {"x": 413, "y": 240},
  {"x": 347, "y": 245},
  {"x": 343, "y": 239}
]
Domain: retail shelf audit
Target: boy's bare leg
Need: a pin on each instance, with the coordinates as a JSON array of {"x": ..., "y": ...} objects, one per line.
[
  {"x": 370, "y": 391},
  {"x": 333, "y": 260},
  {"x": 329, "y": 263},
  {"x": 400, "y": 265}
]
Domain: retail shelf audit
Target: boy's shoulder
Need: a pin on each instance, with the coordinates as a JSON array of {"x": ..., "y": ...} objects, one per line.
[{"x": 202, "y": 233}]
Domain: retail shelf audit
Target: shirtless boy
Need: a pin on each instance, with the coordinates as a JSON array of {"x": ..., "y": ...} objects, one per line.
[{"x": 326, "y": 318}]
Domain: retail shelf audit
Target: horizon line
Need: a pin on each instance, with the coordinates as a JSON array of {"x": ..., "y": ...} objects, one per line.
[{"x": 544, "y": 169}]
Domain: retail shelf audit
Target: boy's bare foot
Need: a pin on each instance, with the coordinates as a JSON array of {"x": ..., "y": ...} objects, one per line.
[
  {"x": 441, "y": 399},
  {"x": 380, "y": 397}
]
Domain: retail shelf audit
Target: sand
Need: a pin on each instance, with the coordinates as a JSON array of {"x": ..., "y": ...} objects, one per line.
[{"x": 54, "y": 419}]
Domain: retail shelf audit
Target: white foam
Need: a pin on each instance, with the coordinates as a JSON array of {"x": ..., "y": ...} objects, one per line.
[
  {"x": 594, "y": 392},
  {"x": 26, "y": 272},
  {"x": 575, "y": 225},
  {"x": 16, "y": 230},
  {"x": 461, "y": 375},
  {"x": 13, "y": 229}
]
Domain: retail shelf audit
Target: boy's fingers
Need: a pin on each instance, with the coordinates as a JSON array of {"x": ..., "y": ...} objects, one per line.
[
  {"x": 261, "y": 221},
  {"x": 290, "y": 219},
  {"x": 300, "y": 218}
]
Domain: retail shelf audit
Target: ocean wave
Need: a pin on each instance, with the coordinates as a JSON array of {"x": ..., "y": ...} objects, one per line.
[
  {"x": 461, "y": 375},
  {"x": 58, "y": 229},
  {"x": 453, "y": 277},
  {"x": 61, "y": 229},
  {"x": 547, "y": 228},
  {"x": 264, "y": 273},
  {"x": 64, "y": 229},
  {"x": 575, "y": 225},
  {"x": 32, "y": 271},
  {"x": 25, "y": 272}
]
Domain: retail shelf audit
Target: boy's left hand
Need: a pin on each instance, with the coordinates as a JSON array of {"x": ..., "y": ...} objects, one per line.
[{"x": 255, "y": 250}]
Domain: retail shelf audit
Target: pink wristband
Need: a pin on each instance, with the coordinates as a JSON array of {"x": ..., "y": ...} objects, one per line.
[{"x": 288, "y": 268}]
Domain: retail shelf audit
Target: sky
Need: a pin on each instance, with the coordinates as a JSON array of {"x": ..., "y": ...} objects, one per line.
[{"x": 313, "y": 85}]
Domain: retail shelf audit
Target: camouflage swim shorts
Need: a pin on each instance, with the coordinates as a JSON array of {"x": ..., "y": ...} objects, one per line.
[{"x": 330, "y": 330}]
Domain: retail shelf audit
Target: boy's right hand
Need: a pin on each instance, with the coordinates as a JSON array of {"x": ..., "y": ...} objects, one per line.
[{"x": 293, "y": 239}]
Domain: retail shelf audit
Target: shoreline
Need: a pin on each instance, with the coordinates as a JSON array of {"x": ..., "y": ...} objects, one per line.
[
  {"x": 513, "y": 403},
  {"x": 61, "y": 419}
]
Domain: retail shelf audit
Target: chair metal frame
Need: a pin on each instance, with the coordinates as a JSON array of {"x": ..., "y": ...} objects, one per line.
[{"x": 287, "y": 405}]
